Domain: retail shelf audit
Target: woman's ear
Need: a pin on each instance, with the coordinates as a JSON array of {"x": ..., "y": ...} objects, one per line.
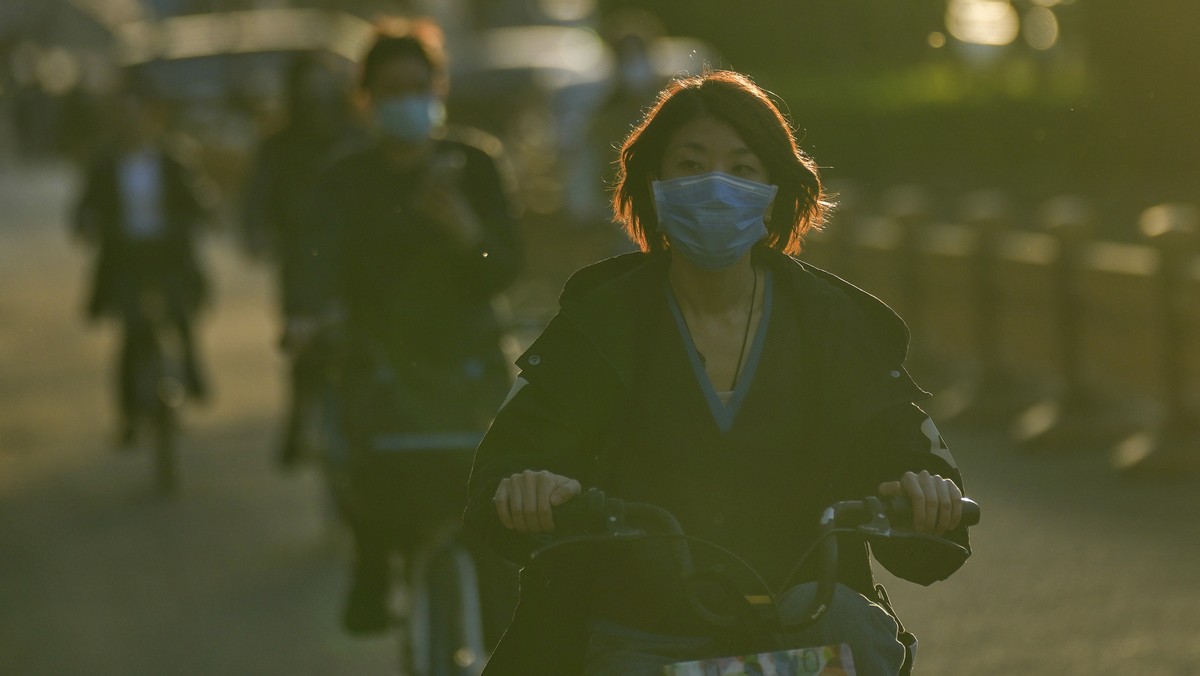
[{"x": 441, "y": 87}]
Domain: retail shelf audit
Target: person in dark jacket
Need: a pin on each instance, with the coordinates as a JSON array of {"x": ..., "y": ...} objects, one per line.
[
  {"x": 713, "y": 375},
  {"x": 280, "y": 219},
  {"x": 425, "y": 240},
  {"x": 141, "y": 208}
]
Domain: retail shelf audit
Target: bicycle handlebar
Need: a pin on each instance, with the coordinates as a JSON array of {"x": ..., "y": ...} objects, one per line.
[
  {"x": 593, "y": 515},
  {"x": 897, "y": 510}
]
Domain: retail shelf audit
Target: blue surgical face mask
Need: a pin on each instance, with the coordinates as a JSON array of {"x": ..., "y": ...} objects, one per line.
[
  {"x": 713, "y": 219},
  {"x": 409, "y": 118}
]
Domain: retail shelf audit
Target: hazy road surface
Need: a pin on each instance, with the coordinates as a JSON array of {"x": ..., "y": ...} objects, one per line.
[
  {"x": 242, "y": 573},
  {"x": 1075, "y": 571}
]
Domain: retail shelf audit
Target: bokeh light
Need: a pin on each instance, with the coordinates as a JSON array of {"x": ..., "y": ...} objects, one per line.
[
  {"x": 57, "y": 71},
  {"x": 1040, "y": 28},
  {"x": 567, "y": 10},
  {"x": 983, "y": 22}
]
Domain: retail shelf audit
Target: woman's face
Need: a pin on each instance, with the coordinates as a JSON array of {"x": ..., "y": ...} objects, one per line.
[{"x": 707, "y": 144}]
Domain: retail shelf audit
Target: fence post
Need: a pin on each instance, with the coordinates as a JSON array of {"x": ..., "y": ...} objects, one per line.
[
  {"x": 908, "y": 207},
  {"x": 1174, "y": 448},
  {"x": 995, "y": 395},
  {"x": 1069, "y": 220},
  {"x": 1076, "y": 419}
]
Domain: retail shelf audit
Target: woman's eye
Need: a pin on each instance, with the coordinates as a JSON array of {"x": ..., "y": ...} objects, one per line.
[
  {"x": 689, "y": 165},
  {"x": 745, "y": 170}
]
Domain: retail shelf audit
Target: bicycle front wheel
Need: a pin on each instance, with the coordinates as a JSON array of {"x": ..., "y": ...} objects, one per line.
[
  {"x": 445, "y": 624},
  {"x": 166, "y": 426}
]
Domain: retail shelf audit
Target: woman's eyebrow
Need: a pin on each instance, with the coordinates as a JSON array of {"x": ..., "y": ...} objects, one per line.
[{"x": 689, "y": 145}]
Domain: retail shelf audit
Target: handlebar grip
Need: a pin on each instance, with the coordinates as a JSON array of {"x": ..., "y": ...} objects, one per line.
[
  {"x": 899, "y": 511},
  {"x": 581, "y": 515}
]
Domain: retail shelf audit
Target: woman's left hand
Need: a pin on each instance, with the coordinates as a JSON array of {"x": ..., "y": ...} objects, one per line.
[{"x": 937, "y": 502}]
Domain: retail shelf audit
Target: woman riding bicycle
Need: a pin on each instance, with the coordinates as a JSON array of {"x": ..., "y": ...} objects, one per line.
[{"x": 715, "y": 376}]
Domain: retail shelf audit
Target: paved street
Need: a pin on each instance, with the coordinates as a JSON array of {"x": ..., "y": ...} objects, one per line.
[
  {"x": 242, "y": 573},
  {"x": 1076, "y": 571}
]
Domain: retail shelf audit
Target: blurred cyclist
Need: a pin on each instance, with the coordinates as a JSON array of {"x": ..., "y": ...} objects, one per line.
[
  {"x": 632, "y": 88},
  {"x": 426, "y": 239},
  {"x": 280, "y": 218},
  {"x": 141, "y": 208}
]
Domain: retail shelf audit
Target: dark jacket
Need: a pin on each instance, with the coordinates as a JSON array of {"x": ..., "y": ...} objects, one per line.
[
  {"x": 280, "y": 214},
  {"x": 829, "y": 416},
  {"x": 124, "y": 265},
  {"x": 418, "y": 305}
]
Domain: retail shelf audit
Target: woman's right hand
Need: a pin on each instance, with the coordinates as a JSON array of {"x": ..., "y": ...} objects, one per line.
[{"x": 524, "y": 501}]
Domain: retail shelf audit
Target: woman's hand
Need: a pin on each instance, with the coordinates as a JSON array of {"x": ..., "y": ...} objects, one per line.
[
  {"x": 523, "y": 501},
  {"x": 937, "y": 502}
]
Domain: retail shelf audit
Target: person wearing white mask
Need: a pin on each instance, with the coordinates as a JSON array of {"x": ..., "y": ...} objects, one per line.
[
  {"x": 716, "y": 376},
  {"x": 423, "y": 229}
]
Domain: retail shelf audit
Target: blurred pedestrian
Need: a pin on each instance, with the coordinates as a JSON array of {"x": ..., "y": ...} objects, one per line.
[
  {"x": 280, "y": 220},
  {"x": 426, "y": 238},
  {"x": 632, "y": 89},
  {"x": 141, "y": 208}
]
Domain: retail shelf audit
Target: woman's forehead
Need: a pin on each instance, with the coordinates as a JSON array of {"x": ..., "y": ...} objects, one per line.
[
  {"x": 707, "y": 135},
  {"x": 403, "y": 72}
]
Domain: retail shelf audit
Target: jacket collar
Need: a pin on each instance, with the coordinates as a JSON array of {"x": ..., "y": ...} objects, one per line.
[{"x": 610, "y": 301}]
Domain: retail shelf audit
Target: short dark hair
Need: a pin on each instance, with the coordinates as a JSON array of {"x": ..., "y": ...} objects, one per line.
[
  {"x": 801, "y": 203},
  {"x": 405, "y": 38}
]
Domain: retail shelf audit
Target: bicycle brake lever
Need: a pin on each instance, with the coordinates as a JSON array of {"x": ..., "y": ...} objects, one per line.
[
  {"x": 879, "y": 525},
  {"x": 615, "y": 524}
]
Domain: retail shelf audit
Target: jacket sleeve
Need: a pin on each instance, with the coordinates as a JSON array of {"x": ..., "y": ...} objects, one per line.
[
  {"x": 556, "y": 409},
  {"x": 888, "y": 435},
  {"x": 905, "y": 439},
  {"x": 496, "y": 261},
  {"x": 193, "y": 194}
]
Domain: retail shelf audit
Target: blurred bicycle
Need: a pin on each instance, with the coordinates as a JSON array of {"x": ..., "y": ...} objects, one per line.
[
  {"x": 401, "y": 487},
  {"x": 154, "y": 385}
]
